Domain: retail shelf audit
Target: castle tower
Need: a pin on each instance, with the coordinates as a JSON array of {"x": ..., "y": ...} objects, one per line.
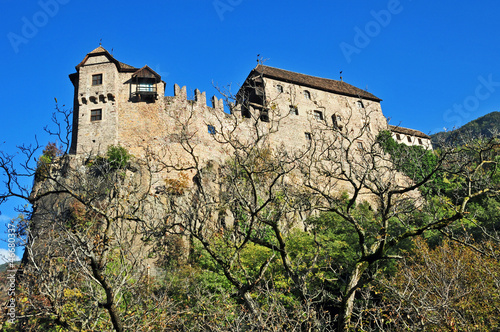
[{"x": 105, "y": 90}]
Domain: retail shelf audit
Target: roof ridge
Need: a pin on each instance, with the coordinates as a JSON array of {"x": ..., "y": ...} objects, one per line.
[
  {"x": 294, "y": 72},
  {"x": 316, "y": 82},
  {"x": 101, "y": 50}
]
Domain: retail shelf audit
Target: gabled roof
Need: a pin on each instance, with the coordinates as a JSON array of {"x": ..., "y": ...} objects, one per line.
[
  {"x": 147, "y": 72},
  {"x": 407, "y": 131},
  {"x": 325, "y": 84},
  {"x": 122, "y": 67}
]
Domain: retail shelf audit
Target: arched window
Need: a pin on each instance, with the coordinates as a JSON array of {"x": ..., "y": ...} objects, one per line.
[{"x": 307, "y": 94}]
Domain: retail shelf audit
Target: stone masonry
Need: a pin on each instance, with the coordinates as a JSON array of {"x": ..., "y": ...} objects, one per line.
[{"x": 115, "y": 103}]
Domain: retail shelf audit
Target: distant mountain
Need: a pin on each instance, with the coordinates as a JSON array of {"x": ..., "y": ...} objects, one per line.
[{"x": 483, "y": 126}]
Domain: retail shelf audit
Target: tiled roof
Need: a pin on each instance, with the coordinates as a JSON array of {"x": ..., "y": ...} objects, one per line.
[
  {"x": 102, "y": 51},
  {"x": 407, "y": 131},
  {"x": 147, "y": 72},
  {"x": 126, "y": 67},
  {"x": 325, "y": 84}
]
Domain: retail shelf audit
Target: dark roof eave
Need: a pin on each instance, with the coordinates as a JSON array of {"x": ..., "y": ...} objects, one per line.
[
  {"x": 147, "y": 68},
  {"x": 73, "y": 77}
]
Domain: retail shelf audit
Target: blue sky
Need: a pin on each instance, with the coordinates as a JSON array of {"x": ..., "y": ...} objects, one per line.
[{"x": 434, "y": 64}]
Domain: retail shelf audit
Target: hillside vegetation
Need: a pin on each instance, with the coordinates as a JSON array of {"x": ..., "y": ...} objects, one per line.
[
  {"x": 336, "y": 236},
  {"x": 485, "y": 126}
]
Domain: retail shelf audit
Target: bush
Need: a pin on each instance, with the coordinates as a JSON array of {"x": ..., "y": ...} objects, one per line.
[
  {"x": 50, "y": 152},
  {"x": 118, "y": 157}
]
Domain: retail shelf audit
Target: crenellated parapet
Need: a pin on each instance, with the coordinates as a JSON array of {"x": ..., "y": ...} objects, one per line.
[
  {"x": 200, "y": 98},
  {"x": 180, "y": 92},
  {"x": 217, "y": 104},
  {"x": 119, "y": 104}
]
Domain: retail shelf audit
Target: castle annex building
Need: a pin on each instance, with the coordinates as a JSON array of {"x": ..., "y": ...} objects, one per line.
[{"x": 115, "y": 103}]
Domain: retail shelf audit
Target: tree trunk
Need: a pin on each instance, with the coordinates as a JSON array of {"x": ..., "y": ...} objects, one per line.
[
  {"x": 348, "y": 300},
  {"x": 253, "y": 308}
]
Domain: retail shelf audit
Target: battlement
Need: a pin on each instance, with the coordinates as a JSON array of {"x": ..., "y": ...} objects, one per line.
[
  {"x": 200, "y": 98},
  {"x": 119, "y": 104}
]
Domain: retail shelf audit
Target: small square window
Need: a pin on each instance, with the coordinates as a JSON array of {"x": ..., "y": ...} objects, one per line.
[
  {"x": 360, "y": 145},
  {"x": 409, "y": 139},
  {"x": 97, "y": 79},
  {"x": 294, "y": 110},
  {"x": 96, "y": 115},
  {"x": 420, "y": 141},
  {"x": 211, "y": 129},
  {"x": 398, "y": 137},
  {"x": 318, "y": 115},
  {"x": 360, "y": 104},
  {"x": 279, "y": 88},
  {"x": 307, "y": 94},
  {"x": 308, "y": 136}
]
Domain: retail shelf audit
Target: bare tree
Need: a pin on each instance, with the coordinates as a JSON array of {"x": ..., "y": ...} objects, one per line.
[
  {"x": 401, "y": 208},
  {"x": 448, "y": 287}
]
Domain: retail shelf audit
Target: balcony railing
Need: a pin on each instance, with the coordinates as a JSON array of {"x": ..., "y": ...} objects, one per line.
[{"x": 145, "y": 89}]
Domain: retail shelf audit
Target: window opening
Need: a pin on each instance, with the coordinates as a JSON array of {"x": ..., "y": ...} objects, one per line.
[
  {"x": 294, "y": 110},
  {"x": 97, "y": 79},
  {"x": 336, "y": 121},
  {"x": 96, "y": 115},
  {"x": 318, "y": 115}
]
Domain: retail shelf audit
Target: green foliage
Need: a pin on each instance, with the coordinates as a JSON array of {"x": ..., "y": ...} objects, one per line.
[
  {"x": 414, "y": 161},
  {"x": 50, "y": 152},
  {"x": 118, "y": 157}
]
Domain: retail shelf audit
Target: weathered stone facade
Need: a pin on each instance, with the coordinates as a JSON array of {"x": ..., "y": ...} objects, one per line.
[{"x": 118, "y": 104}]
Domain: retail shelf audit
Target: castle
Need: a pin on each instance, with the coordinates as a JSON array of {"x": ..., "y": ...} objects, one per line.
[{"x": 115, "y": 103}]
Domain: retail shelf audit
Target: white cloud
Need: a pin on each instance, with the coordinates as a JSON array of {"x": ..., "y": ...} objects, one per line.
[{"x": 5, "y": 256}]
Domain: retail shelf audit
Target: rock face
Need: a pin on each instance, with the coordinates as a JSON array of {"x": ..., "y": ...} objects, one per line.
[
  {"x": 186, "y": 152},
  {"x": 184, "y": 149}
]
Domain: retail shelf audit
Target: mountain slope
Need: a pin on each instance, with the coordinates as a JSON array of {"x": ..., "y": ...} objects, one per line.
[{"x": 483, "y": 126}]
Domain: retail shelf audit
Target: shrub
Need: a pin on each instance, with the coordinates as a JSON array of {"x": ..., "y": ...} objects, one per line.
[
  {"x": 118, "y": 157},
  {"x": 50, "y": 152}
]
